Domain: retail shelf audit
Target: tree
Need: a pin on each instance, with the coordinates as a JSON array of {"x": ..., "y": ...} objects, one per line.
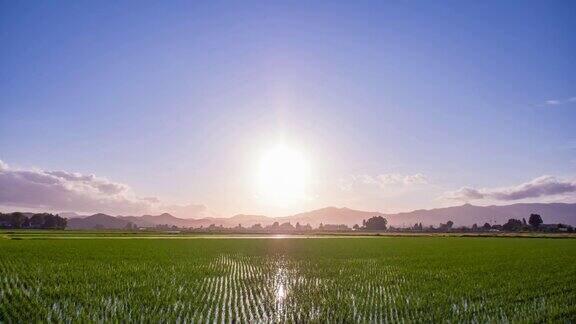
[
  {"x": 18, "y": 220},
  {"x": 62, "y": 222},
  {"x": 356, "y": 227},
  {"x": 52, "y": 221},
  {"x": 486, "y": 226},
  {"x": 535, "y": 220},
  {"x": 447, "y": 226},
  {"x": 376, "y": 223},
  {"x": 513, "y": 225},
  {"x": 417, "y": 227},
  {"x": 37, "y": 221},
  {"x": 286, "y": 226},
  {"x": 49, "y": 221}
]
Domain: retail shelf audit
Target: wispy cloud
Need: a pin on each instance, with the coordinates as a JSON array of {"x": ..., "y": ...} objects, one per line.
[
  {"x": 559, "y": 102},
  {"x": 70, "y": 191},
  {"x": 190, "y": 211},
  {"x": 540, "y": 187},
  {"x": 381, "y": 180},
  {"x": 62, "y": 190}
]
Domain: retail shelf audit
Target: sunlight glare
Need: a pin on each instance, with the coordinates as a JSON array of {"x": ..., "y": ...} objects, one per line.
[{"x": 282, "y": 176}]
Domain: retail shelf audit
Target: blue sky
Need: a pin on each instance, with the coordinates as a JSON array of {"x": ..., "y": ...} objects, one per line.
[{"x": 177, "y": 101}]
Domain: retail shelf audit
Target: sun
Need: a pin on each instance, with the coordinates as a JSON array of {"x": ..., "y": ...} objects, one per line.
[{"x": 282, "y": 176}]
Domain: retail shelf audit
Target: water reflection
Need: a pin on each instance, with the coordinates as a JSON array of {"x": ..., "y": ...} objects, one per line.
[
  {"x": 280, "y": 279},
  {"x": 280, "y": 293}
]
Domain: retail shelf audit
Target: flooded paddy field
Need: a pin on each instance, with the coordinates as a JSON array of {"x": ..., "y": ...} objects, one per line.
[{"x": 223, "y": 280}]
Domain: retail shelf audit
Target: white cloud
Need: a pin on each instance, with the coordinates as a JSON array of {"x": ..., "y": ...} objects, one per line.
[
  {"x": 62, "y": 190},
  {"x": 558, "y": 102},
  {"x": 400, "y": 179},
  {"x": 189, "y": 211},
  {"x": 540, "y": 187},
  {"x": 381, "y": 180},
  {"x": 3, "y": 166},
  {"x": 84, "y": 193}
]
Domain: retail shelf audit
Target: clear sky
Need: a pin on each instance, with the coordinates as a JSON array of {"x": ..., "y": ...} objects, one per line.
[{"x": 392, "y": 106}]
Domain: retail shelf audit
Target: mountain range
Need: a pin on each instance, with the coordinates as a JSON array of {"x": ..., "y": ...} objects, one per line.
[{"x": 467, "y": 214}]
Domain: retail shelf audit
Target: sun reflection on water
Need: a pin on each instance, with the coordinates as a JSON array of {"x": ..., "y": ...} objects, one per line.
[
  {"x": 280, "y": 293},
  {"x": 280, "y": 290}
]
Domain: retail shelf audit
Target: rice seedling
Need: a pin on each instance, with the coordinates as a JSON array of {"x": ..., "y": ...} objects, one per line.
[{"x": 404, "y": 279}]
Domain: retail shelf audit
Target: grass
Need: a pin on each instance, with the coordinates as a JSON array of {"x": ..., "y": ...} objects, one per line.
[{"x": 377, "y": 279}]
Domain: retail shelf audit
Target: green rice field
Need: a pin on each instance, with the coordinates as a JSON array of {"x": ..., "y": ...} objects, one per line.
[{"x": 224, "y": 280}]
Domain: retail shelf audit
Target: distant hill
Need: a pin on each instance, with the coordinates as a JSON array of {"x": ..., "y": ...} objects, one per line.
[
  {"x": 469, "y": 214},
  {"x": 245, "y": 220},
  {"x": 70, "y": 215},
  {"x": 95, "y": 221},
  {"x": 163, "y": 219},
  {"x": 331, "y": 215},
  {"x": 461, "y": 215}
]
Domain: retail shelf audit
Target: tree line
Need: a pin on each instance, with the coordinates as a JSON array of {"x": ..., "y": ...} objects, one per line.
[
  {"x": 535, "y": 223},
  {"x": 374, "y": 224},
  {"x": 19, "y": 220}
]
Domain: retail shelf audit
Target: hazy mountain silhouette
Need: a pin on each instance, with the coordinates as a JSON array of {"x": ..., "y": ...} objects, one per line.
[
  {"x": 71, "y": 215},
  {"x": 469, "y": 214},
  {"x": 95, "y": 221},
  {"x": 331, "y": 215},
  {"x": 152, "y": 220},
  {"x": 461, "y": 215}
]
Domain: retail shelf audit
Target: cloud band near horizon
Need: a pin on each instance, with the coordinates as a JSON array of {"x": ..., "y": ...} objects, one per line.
[
  {"x": 543, "y": 186},
  {"x": 62, "y": 190},
  {"x": 70, "y": 191}
]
